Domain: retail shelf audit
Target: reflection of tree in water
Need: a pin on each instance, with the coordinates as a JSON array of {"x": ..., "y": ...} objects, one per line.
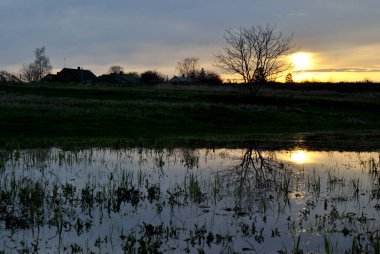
[
  {"x": 258, "y": 176},
  {"x": 253, "y": 170}
]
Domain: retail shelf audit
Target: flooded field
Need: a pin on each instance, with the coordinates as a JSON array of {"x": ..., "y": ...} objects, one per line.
[{"x": 189, "y": 201}]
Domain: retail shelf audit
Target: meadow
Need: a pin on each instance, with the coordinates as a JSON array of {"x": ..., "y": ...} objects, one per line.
[{"x": 153, "y": 115}]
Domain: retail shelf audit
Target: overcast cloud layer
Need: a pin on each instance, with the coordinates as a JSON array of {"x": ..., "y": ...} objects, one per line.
[{"x": 151, "y": 34}]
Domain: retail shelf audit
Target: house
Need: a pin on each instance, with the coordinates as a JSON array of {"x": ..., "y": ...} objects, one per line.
[
  {"x": 181, "y": 80},
  {"x": 119, "y": 78},
  {"x": 78, "y": 75},
  {"x": 49, "y": 78}
]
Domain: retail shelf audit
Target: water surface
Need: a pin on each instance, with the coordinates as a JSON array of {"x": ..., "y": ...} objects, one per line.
[{"x": 185, "y": 200}]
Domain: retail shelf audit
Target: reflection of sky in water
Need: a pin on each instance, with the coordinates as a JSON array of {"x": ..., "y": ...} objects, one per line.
[{"x": 321, "y": 183}]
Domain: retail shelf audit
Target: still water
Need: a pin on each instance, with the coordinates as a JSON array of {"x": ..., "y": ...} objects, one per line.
[{"x": 189, "y": 201}]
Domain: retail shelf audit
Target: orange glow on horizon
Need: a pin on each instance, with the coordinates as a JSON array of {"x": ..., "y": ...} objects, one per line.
[
  {"x": 336, "y": 76},
  {"x": 318, "y": 67}
]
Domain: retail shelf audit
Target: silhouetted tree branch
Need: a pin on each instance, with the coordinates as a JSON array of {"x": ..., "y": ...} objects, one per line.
[
  {"x": 115, "y": 69},
  {"x": 38, "y": 69},
  {"x": 42, "y": 63},
  {"x": 28, "y": 72},
  {"x": 255, "y": 53},
  {"x": 188, "y": 67}
]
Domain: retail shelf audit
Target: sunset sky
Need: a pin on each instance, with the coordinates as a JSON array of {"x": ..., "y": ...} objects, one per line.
[{"x": 339, "y": 39}]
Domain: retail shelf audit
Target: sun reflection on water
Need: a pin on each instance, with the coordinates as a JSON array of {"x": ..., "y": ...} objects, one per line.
[{"x": 299, "y": 156}]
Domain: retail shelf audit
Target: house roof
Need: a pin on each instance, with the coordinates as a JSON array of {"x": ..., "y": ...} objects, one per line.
[
  {"x": 75, "y": 75},
  {"x": 49, "y": 77},
  {"x": 119, "y": 78},
  {"x": 180, "y": 80}
]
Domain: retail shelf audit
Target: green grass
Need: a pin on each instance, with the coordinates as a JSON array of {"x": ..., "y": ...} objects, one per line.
[{"x": 149, "y": 114}]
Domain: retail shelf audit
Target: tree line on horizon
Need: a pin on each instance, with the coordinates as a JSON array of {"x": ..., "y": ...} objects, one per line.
[
  {"x": 188, "y": 69},
  {"x": 254, "y": 53}
]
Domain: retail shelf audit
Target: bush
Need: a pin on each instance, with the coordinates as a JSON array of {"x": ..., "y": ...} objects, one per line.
[
  {"x": 152, "y": 77},
  {"x": 6, "y": 77},
  {"x": 208, "y": 77}
]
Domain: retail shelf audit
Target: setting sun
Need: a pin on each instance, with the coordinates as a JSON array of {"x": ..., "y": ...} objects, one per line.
[{"x": 301, "y": 61}]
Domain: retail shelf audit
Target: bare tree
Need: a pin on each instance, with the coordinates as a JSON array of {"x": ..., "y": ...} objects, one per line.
[
  {"x": 188, "y": 66},
  {"x": 255, "y": 53},
  {"x": 28, "y": 72},
  {"x": 116, "y": 69},
  {"x": 41, "y": 63},
  {"x": 38, "y": 69}
]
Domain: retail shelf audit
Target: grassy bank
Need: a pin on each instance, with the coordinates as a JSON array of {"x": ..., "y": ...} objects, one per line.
[{"x": 59, "y": 113}]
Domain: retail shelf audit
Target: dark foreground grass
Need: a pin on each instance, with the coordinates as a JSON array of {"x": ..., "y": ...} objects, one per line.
[{"x": 56, "y": 114}]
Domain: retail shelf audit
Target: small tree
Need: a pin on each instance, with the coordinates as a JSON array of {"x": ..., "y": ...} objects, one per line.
[
  {"x": 38, "y": 69},
  {"x": 116, "y": 69},
  {"x": 255, "y": 53},
  {"x": 28, "y": 72},
  {"x": 208, "y": 77},
  {"x": 41, "y": 63},
  {"x": 188, "y": 67},
  {"x": 202, "y": 75},
  {"x": 289, "y": 78}
]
